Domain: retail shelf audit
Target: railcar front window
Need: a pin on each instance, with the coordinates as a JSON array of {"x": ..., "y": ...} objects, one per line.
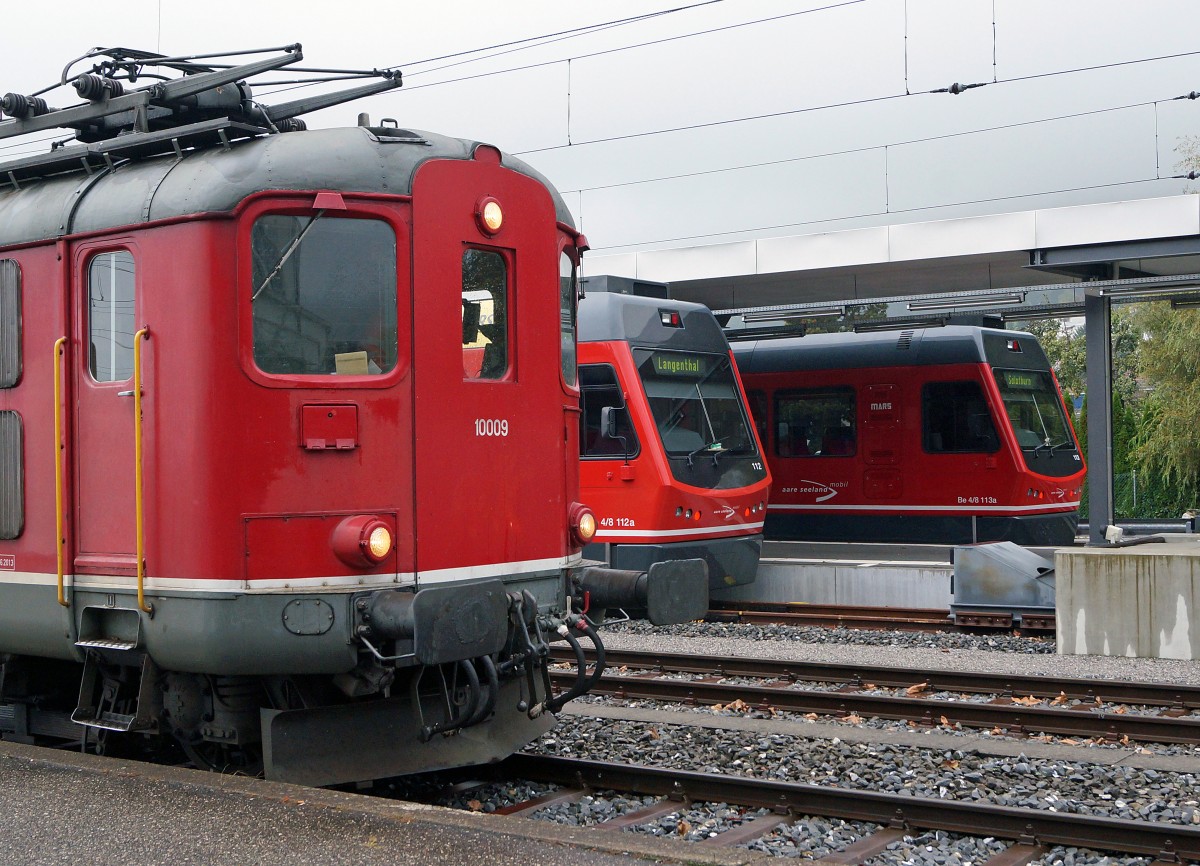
[
  {"x": 324, "y": 295},
  {"x": 485, "y": 336},
  {"x": 567, "y": 290},
  {"x": 696, "y": 403},
  {"x": 1034, "y": 408},
  {"x": 955, "y": 419},
  {"x": 111, "y": 291}
]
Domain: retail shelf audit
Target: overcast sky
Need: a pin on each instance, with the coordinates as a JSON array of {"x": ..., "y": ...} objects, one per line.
[{"x": 737, "y": 118}]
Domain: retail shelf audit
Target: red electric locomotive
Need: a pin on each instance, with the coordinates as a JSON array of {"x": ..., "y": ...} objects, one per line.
[
  {"x": 941, "y": 435},
  {"x": 253, "y": 496},
  {"x": 670, "y": 461}
]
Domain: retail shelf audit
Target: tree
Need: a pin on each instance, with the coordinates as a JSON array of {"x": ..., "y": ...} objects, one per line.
[{"x": 1167, "y": 445}]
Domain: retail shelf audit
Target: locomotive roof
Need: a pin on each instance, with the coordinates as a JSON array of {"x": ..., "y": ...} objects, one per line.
[
  {"x": 216, "y": 179},
  {"x": 952, "y": 344},
  {"x": 635, "y": 319}
]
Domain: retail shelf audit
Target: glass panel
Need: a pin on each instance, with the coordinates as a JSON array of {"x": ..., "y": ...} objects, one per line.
[
  {"x": 816, "y": 423},
  {"x": 599, "y": 388},
  {"x": 695, "y": 402},
  {"x": 955, "y": 418},
  {"x": 1033, "y": 407},
  {"x": 111, "y": 316},
  {"x": 485, "y": 315},
  {"x": 566, "y": 304},
  {"x": 324, "y": 295}
]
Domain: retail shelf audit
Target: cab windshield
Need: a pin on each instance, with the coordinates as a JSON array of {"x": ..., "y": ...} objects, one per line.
[
  {"x": 1033, "y": 406},
  {"x": 696, "y": 404}
]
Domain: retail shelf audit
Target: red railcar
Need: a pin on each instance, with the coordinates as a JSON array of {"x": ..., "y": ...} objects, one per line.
[
  {"x": 944, "y": 435},
  {"x": 253, "y": 494},
  {"x": 670, "y": 461}
]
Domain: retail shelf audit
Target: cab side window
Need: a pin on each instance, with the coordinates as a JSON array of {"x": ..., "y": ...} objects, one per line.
[
  {"x": 598, "y": 388},
  {"x": 111, "y": 316}
]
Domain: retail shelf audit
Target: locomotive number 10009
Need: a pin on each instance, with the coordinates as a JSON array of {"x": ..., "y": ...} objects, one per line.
[{"x": 491, "y": 426}]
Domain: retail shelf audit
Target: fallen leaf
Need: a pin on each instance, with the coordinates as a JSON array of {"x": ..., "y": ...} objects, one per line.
[
  {"x": 996, "y": 731},
  {"x": 945, "y": 721},
  {"x": 950, "y": 765},
  {"x": 1122, "y": 710},
  {"x": 683, "y": 828},
  {"x": 1060, "y": 700},
  {"x": 811, "y": 716},
  {"x": 1067, "y": 741},
  {"x": 1125, "y": 739},
  {"x": 475, "y": 805},
  {"x": 854, "y": 719},
  {"x": 654, "y": 734},
  {"x": 917, "y": 689},
  {"x": 1026, "y": 702}
]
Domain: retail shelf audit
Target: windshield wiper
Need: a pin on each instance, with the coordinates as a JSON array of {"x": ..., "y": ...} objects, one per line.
[
  {"x": 1062, "y": 444},
  {"x": 287, "y": 254}
]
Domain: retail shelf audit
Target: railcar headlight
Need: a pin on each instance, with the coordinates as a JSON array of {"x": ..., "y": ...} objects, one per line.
[
  {"x": 364, "y": 540},
  {"x": 583, "y": 523}
]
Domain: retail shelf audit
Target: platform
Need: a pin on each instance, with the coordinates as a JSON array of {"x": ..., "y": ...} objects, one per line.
[{"x": 66, "y": 807}]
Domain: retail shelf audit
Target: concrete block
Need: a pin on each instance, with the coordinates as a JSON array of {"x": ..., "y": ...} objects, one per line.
[{"x": 1129, "y": 601}]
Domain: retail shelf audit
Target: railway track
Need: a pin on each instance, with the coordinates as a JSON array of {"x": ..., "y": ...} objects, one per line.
[
  {"x": 884, "y": 618},
  {"x": 1020, "y": 705},
  {"x": 1032, "y": 830}
]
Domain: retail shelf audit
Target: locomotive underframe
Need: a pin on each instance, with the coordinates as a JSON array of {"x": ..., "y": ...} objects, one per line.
[{"x": 314, "y": 701}]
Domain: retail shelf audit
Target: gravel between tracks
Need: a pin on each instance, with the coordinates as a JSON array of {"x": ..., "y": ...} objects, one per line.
[{"x": 1060, "y": 785}]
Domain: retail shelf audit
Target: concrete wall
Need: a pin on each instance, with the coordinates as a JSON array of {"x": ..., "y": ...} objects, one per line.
[
  {"x": 1129, "y": 601},
  {"x": 872, "y": 584}
]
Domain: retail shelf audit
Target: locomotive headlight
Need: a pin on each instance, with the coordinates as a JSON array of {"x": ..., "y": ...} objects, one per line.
[
  {"x": 490, "y": 215},
  {"x": 379, "y": 543},
  {"x": 363, "y": 541},
  {"x": 583, "y": 523}
]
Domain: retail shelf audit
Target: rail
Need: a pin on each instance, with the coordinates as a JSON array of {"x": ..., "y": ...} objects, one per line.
[{"x": 1023, "y": 705}]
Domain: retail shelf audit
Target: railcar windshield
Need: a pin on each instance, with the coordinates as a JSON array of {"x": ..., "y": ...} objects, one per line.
[
  {"x": 1034, "y": 409},
  {"x": 701, "y": 420}
]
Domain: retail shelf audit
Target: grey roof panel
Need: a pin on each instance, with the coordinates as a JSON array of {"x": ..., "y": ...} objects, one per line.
[{"x": 352, "y": 159}]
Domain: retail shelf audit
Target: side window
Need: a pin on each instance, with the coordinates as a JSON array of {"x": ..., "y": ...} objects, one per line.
[
  {"x": 815, "y": 423},
  {"x": 485, "y": 338},
  {"x": 758, "y": 412},
  {"x": 324, "y": 295},
  {"x": 111, "y": 316},
  {"x": 955, "y": 419},
  {"x": 567, "y": 290},
  {"x": 598, "y": 387},
  {"x": 10, "y": 323}
]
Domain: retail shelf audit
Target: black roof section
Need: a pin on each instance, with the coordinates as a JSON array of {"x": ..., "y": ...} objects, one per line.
[{"x": 952, "y": 344}]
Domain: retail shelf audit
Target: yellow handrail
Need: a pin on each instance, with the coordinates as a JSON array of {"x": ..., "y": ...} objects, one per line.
[
  {"x": 58, "y": 473},
  {"x": 142, "y": 334}
]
